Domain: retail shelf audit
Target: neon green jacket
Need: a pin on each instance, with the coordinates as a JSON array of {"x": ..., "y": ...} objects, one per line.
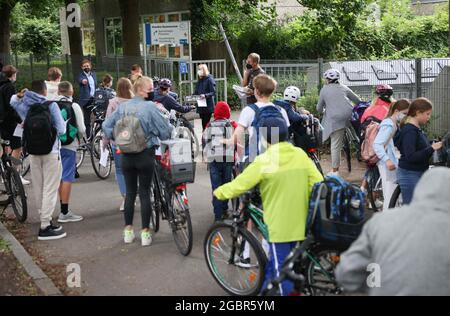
[{"x": 285, "y": 175}]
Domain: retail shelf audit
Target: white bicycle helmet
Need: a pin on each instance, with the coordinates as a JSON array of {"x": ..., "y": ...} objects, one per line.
[
  {"x": 332, "y": 74},
  {"x": 292, "y": 94}
]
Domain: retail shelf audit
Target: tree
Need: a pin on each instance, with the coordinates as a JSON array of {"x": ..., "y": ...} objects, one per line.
[
  {"x": 75, "y": 43},
  {"x": 130, "y": 27},
  {"x": 6, "y": 7}
]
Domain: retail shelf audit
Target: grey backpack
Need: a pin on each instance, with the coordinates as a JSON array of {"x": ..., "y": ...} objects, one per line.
[{"x": 129, "y": 135}]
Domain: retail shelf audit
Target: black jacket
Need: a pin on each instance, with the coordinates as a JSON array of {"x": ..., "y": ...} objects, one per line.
[{"x": 7, "y": 114}]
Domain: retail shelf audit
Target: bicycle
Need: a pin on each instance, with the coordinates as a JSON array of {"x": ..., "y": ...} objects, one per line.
[
  {"x": 14, "y": 189},
  {"x": 184, "y": 129},
  {"x": 375, "y": 188},
  {"x": 171, "y": 203},
  {"x": 351, "y": 139},
  {"x": 25, "y": 163},
  {"x": 228, "y": 242}
]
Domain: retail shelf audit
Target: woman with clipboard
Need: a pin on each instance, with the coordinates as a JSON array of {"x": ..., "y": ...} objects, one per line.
[{"x": 206, "y": 89}]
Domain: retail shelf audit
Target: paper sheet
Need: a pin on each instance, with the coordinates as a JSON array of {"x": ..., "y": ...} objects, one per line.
[
  {"x": 201, "y": 103},
  {"x": 18, "y": 132},
  {"x": 104, "y": 153},
  {"x": 240, "y": 91}
]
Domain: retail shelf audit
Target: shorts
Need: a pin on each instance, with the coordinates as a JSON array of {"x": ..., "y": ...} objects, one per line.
[
  {"x": 68, "y": 159},
  {"x": 7, "y": 132}
]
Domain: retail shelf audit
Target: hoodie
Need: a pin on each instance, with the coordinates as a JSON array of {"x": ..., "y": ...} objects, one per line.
[
  {"x": 410, "y": 244},
  {"x": 23, "y": 105},
  {"x": 8, "y": 116},
  {"x": 414, "y": 147}
]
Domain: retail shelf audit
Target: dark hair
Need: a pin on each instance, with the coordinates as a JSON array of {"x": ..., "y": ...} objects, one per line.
[
  {"x": 86, "y": 61},
  {"x": 38, "y": 86},
  {"x": 107, "y": 79},
  {"x": 9, "y": 71},
  {"x": 136, "y": 67},
  {"x": 399, "y": 105}
]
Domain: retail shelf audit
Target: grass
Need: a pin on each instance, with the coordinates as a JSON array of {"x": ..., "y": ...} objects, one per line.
[{"x": 4, "y": 246}]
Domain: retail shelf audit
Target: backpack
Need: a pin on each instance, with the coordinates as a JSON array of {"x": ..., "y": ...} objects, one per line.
[
  {"x": 336, "y": 211},
  {"x": 261, "y": 114},
  {"x": 39, "y": 134},
  {"x": 102, "y": 97},
  {"x": 367, "y": 152},
  {"x": 357, "y": 114},
  {"x": 214, "y": 149},
  {"x": 129, "y": 134},
  {"x": 68, "y": 115}
]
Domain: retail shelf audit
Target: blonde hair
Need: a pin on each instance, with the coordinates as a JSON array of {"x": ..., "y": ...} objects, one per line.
[
  {"x": 265, "y": 84},
  {"x": 141, "y": 82},
  {"x": 124, "y": 88},
  {"x": 205, "y": 69}
]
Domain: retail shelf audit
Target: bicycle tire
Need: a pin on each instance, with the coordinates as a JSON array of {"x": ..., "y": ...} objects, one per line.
[
  {"x": 26, "y": 164},
  {"x": 256, "y": 249},
  {"x": 95, "y": 155},
  {"x": 316, "y": 161},
  {"x": 185, "y": 249},
  {"x": 372, "y": 182},
  {"x": 156, "y": 209},
  {"x": 16, "y": 190},
  {"x": 311, "y": 267},
  {"x": 81, "y": 153},
  {"x": 347, "y": 152},
  {"x": 394, "y": 202}
]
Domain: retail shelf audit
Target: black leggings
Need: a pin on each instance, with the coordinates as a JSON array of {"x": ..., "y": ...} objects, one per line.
[
  {"x": 206, "y": 117},
  {"x": 138, "y": 167}
]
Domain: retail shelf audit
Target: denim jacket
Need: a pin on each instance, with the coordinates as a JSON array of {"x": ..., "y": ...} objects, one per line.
[
  {"x": 153, "y": 123},
  {"x": 384, "y": 143}
]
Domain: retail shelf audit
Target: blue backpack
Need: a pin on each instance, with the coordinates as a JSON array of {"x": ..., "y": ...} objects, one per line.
[
  {"x": 261, "y": 114},
  {"x": 336, "y": 211}
]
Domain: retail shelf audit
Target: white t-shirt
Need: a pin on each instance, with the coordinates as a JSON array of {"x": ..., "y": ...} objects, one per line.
[{"x": 248, "y": 115}]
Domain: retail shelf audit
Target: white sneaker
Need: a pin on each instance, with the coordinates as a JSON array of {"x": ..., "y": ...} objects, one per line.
[
  {"x": 146, "y": 238},
  {"x": 24, "y": 181},
  {"x": 378, "y": 203},
  {"x": 69, "y": 217},
  {"x": 128, "y": 236}
]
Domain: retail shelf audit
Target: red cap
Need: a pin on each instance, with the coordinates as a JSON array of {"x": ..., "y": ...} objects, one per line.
[{"x": 222, "y": 111}]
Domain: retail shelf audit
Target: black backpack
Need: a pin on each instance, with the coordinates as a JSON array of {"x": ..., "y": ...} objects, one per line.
[
  {"x": 68, "y": 115},
  {"x": 101, "y": 98},
  {"x": 39, "y": 135}
]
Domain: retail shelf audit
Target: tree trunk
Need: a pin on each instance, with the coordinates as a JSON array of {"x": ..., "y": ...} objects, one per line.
[
  {"x": 130, "y": 31},
  {"x": 5, "y": 33},
  {"x": 76, "y": 46}
]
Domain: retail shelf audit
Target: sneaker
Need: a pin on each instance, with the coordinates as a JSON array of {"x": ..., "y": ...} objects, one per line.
[
  {"x": 50, "y": 234},
  {"x": 56, "y": 228},
  {"x": 378, "y": 204},
  {"x": 77, "y": 175},
  {"x": 69, "y": 217},
  {"x": 24, "y": 181},
  {"x": 128, "y": 236},
  {"x": 333, "y": 173},
  {"x": 243, "y": 263},
  {"x": 146, "y": 238}
]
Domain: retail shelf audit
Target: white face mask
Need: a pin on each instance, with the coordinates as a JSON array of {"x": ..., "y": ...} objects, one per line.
[
  {"x": 200, "y": 73},
  {"x": 400, "y": 117}
]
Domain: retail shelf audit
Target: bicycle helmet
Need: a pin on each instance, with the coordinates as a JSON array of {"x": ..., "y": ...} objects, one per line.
[
  {"x": 292, "y": 94},
  {"x": 332, "y": 74},
  {"x": 165, "y": 83},
  {"x": 384, "y": 91}
]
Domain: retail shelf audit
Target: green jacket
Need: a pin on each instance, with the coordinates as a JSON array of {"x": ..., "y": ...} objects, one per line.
[{"x": 285, "y": 175}]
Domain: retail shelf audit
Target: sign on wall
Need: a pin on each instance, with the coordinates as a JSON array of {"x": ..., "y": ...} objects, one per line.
[{"x": 173, "y": 33}]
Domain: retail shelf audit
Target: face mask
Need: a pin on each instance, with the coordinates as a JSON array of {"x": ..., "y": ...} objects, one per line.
[
  {"x": 248, "y": 66},
  {"x": 86, "y": 70},
  {"x": 400, "y": 117},
  {"x": 151, "y": 96},
  {"x": 200, "y": 73}
]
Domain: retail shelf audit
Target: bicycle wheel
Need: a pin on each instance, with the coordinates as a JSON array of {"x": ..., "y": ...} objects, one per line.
[
  {"x": 396, "y": 199},
  {"x": 101, "y": 171},
  {"x": 375, "y": 189},
  {"x": 222, "y": 249},
  {"x": 156, "y": 206},
  {"x": 320, "y": 269},
  {"x": 17, "y": 196},
  {"x": 316, "y": 161},
  {"x": 181, "y": 224},
  {"x": 26, "y": 163},
  {"x": 81, "y": 153},
  {"x": 347, "y": 152}
]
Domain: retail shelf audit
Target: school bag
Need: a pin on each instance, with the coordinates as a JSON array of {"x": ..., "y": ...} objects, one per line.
[
  {"x": 368, "y": 154},
  {"x": 102, "y": 97},
  {"x": 39, "y": 134},
  {"x": 129, "y": 134},
  {"x": 68, "y": 115},
  {"x": 336, "y": 211},
  {"x": 268, "y": 111},
  {"x": 214, "y": 148}
]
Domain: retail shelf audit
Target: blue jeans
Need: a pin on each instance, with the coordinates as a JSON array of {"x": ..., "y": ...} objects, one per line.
[
  {"x": 407, "y": 179},
  {"x": 119, "y": 174},
  {"x": 278, "y": 253},
  {"x": 220, "y": 173}
]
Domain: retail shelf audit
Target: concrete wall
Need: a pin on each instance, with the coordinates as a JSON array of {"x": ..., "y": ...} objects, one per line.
[{"x": 427, "y": 7}]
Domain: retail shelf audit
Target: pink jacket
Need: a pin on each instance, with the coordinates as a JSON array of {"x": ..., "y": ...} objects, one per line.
[{"x": 379, "y": 110}]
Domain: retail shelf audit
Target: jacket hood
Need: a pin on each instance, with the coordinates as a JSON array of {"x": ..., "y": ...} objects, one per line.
[
  {"x": 31, "y": 98},
  {"x": 4, "y": 81},
  {"x": 222, "y": 111},
  {"x": 432, "y": 190}
]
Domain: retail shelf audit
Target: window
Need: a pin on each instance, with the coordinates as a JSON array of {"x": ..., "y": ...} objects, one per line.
[
  {"x": 113, "y": 36},
  {"x": 88, "y": 37}
]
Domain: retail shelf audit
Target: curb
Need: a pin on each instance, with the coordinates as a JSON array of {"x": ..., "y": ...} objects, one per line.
[{"x": 41, "y": 280}]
